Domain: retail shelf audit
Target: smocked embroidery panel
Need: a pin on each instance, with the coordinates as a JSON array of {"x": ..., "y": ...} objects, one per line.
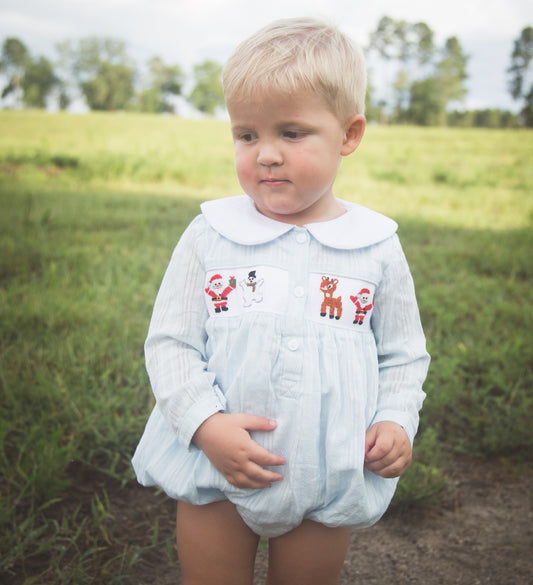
[
  {"x": 240, "y": 290},
  {"x": 341, "y": 301},
  {"x": 335, "y": 300}
]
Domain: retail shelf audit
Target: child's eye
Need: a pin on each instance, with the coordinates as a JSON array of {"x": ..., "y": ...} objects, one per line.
[
  {"x": 247, "y": 137},
  {"x": 293, "y": 134}
]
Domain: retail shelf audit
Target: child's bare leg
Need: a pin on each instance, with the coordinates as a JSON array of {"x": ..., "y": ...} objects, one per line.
[
  {"x": 311, "y": 554},
  {"x": 214, "y": 545}
]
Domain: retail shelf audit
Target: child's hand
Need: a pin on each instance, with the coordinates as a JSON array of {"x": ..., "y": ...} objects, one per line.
[
  {"x": 225, "y": 440},
  {"x": 387, "y": 449}
]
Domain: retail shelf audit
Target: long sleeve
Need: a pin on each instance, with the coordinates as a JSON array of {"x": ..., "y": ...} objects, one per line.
[
  {"x": 402, "y": 357},
  {"x": 175, "y": 353}
]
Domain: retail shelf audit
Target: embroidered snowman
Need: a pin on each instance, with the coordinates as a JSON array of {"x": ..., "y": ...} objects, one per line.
[{"x": 252, "y": 289}]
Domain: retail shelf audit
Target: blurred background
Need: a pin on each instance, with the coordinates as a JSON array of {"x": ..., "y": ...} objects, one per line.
[
  {"x": 113, "y": 130},
  {"x": 458, "y": 63}
]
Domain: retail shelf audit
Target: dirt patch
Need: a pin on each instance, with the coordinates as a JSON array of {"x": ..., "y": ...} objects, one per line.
[{"x": 483, "y": 536}]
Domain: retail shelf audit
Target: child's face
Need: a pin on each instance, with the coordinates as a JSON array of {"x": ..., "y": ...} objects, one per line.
[{"x": 287, "y": 155}]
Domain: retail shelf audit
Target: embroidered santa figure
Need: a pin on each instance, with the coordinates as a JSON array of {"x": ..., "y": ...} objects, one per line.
[
  {"x": 362, "y": 305},
  {"x": 219, "y": 293}
]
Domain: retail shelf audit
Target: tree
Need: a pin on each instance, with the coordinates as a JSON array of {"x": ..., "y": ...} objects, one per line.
[
  {"x": 30, "y": 81},
  {"x": 111, "y": 89},
  {"x": 37, "y": 82},
  {"x": 207, "y": 94},
  {"x": 402, "y": 88},
  {"x": 403, "y": 41},
  {"x": 164, "y": 81},
  {"x": 521, "y": 59},
  {"x": 15, "y": 58},
  {"x": 372, "y": 111},
  {"x": 388, "y": 39},
  {"x": 451, "y": 71},
  {"x": 168, "y": 78},
  {"x": 411, "y": 46},
  {"x": 425, "y": 105},
  {"x": 102, "y": 70},
  {"x": 430, "y": 97},
  {"x": 425, "y": 44},
  {"x": 425, "y": 80}
]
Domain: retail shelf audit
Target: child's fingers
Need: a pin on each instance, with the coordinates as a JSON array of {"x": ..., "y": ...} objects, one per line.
[
  {"x": 266, "y": 458},
  {"x": 259, "y": 458},
  {"x": 251, "y": 422},
  {"x": 226, "y": 441},
  {"x": 390, "y": 466},
  {"x": 387, "y": 450},
  {"x": 254, "y": 477},
  {"x": 380, "y": 455},
  {"x": 370, "y": 439},
  {"x": 258, "y": 423},
  {"x": 251, "y": 473},
  {"x": 377, "y": 445}
]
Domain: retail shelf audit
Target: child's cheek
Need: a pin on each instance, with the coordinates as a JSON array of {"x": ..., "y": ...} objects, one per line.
[
  {"x": 244, "y": 167},
  {"x": 307, "y": 167}
]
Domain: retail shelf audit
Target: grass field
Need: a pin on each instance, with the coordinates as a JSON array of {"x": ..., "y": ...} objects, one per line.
[{"x": 91, "y": 207}]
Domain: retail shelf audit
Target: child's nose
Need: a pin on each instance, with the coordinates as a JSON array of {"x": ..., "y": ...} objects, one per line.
[{"x": 269, "y": 154}]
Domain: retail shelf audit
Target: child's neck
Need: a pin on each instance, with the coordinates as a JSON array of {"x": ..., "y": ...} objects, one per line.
[{"x": 318, "y": 213}]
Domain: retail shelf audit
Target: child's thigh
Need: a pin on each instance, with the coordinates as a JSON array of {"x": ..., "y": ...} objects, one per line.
[
  {"x": 311, "y": 554},
  {"x": 214, "y": 545}
]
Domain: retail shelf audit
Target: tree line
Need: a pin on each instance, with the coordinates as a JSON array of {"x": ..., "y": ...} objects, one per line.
[
  {"x": 101, "y": 71},
  {"x": 427, "y": 81}
]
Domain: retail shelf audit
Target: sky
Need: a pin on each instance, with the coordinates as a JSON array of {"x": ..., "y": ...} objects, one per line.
[{"x": 187, "y": 32}]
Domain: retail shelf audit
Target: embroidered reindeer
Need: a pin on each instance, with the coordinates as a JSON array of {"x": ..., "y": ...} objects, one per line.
[{"x": 328, "y": 287}]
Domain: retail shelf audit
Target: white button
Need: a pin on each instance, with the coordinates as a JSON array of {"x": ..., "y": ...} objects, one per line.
[
  {"x": 293, "y": 344},
  {"x": 299, "y": 292},
  {"x": 301, "y": 238}
]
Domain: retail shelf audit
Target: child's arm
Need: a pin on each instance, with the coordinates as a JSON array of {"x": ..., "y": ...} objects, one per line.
[
  {"x": 403, "y": 362},
  {"x": 225, "y": 440},
  {"x": 387, "y": 449},
  {"x": 186, "y": 392},
  {"x": 175, "y": 348}
]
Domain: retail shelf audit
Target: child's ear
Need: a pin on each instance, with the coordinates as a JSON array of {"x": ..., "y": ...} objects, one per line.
[{"x": 354, "y": 134}]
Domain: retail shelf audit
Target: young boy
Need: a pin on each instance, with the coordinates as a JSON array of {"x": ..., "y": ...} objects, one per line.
[{"x": 285, "y": 417}]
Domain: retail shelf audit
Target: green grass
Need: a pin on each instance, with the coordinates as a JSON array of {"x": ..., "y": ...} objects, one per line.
[{"x": 91, "y": 209}]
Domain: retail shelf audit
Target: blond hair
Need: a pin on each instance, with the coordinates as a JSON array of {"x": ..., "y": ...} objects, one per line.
[{"x": 299, "y": 54}]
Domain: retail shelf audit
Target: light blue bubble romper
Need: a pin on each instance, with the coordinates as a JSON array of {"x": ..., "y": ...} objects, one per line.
[{"x": 316, "y": 327}]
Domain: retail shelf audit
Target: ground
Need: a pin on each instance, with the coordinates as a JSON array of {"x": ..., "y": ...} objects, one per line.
[{"x": 482, "y": 535}]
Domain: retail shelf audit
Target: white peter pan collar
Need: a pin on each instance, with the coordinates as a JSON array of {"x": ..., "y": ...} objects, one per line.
[{"x": 237, "y": 219}]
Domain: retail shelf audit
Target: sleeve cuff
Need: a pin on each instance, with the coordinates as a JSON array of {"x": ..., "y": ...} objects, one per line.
[
  {"x": 197, "y": 414},
  {"x": 400, "y": 418}
]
